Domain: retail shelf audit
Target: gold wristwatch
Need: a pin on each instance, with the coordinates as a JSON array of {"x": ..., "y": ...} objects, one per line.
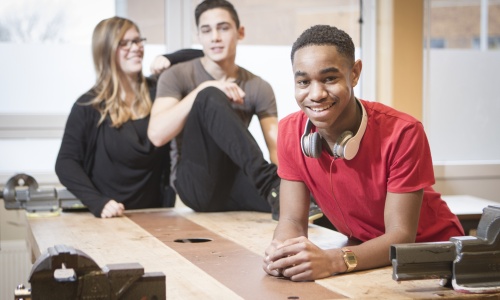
[{"x": 350, "y": 259}]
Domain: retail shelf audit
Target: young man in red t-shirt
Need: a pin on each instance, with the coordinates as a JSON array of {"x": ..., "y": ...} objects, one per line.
[{"x": 367, "y": 165}]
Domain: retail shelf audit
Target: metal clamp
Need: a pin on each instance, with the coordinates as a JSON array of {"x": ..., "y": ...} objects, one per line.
[
  {"x": 67, "y": 273},
  {"x": 472, "y": 264},
  {"x": 22, "y": 192}
]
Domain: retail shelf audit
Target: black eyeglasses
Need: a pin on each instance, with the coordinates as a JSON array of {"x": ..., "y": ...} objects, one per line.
[{"x": 127, "y": 44}]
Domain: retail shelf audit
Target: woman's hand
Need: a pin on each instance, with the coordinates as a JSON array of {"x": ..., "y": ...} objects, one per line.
[
  {"x": 112, "y": 209},
  {"x": 159, "y": 64}
]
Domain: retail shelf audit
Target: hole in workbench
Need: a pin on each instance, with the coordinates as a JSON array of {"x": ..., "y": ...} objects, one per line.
[{"x": 193, "y": 240}]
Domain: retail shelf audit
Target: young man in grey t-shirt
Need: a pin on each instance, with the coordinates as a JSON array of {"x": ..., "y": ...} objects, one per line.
[{"x": 206, "y": 105}]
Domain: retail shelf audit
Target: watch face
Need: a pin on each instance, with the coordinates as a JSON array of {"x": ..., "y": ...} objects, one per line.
[{"x": 349, "y": 259}]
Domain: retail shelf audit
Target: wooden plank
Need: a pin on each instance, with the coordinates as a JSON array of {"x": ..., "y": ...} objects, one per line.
[
  {"x": 119, "y": 240},
  {"x": 230, "y": 263},
  {"x": 254, "y": 231}
]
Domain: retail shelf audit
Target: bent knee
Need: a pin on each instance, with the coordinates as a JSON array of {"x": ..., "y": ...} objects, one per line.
[
  {"x": 210, "y": 95},
  {"x": 200, "y": 205}
]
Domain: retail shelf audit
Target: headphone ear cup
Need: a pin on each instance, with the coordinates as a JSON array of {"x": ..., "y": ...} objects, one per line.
[
  {"x": 310, "y": 142},
  {"x": 311, "y": 145},
  {"x": 340, "y": 144},
  {"x": 351, "y": 148},
  {"x": 304, "y": 144},
  {"x": 315, "y": 145}
]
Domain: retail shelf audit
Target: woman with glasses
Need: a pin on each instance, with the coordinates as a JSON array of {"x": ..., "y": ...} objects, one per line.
[{"x": 106, "y": 159}]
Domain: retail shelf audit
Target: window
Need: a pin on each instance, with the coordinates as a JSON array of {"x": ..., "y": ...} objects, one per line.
[
  {"x": 438, "y": 43},
  {"x": 279, "y": 22},
  {"x": 460, "y": 24},
  {"x": 493, "y": 42},
  {"x": 461, "y": 74},
  {"x": 46, "y": 65}
]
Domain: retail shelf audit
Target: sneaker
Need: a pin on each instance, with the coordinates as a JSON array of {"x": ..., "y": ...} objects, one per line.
[{"x": 274, "y": 200}]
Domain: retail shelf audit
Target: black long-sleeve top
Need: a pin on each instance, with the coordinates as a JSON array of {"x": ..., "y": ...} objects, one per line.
[{"x": 100, "y": 163}]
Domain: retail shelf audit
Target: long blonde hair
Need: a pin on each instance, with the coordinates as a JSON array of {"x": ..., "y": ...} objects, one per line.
[{"x": 111, "y": 81}]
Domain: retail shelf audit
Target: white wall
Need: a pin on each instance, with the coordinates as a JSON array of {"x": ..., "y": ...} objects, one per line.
[
  {"x": 41, "y": 81},
  {"x": 462, "y": 107}
]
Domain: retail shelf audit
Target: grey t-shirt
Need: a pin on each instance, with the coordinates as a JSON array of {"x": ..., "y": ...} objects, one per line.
[{"x": 179, "y": 80}]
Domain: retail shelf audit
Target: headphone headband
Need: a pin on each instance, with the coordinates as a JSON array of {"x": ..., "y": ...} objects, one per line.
[
  {"x": 346, "y": 146},
  {"x": 351, "y": 147}
]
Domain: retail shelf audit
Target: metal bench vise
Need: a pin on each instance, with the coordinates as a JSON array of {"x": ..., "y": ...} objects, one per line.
[
  {"x": 472, "y": 264},
  {"x": 66, "y": 273},
  {"x": 22, "y": 192}
]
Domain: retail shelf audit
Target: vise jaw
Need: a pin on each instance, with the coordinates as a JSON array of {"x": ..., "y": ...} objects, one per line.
[
  {"x": 22, "y": 192},
  {"x": 67, "y": 273},
  {"x": 472, "y": 264}
]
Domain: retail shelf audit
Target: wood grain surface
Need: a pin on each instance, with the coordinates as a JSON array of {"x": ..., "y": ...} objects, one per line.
[{"x": 227, "y": 267}]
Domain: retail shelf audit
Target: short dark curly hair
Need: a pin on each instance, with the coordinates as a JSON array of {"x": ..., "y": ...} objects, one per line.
[
  {"x": 321, "y": 35},
  {"x": 212, "y": 4}
]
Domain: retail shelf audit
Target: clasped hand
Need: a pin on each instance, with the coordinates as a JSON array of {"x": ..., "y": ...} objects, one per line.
[
  {"x": 298, "y": 259},
  {"x": 112, "y": 209},
  {"x": 230, "y": 88}
]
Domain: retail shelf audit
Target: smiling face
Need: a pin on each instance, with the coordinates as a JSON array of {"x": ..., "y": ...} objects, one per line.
[
  {"x": 130, "y": 60},
  {"x": 324, "y": 82},
  {"x": 218, "y": 34}
]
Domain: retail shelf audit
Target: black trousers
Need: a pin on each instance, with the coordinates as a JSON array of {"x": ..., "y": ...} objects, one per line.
[{"x": 221, "y": 167}]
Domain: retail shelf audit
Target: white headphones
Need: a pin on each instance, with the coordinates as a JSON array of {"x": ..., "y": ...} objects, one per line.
[{"x": 346, "y": 146}]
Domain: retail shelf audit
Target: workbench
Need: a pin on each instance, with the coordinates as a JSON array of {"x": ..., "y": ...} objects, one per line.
[
  {"x": 468, "y": 209},
  {"x": 215, "y": 255}
]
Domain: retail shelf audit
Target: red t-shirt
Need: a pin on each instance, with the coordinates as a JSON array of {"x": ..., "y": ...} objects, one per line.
[{"x": 394, "y": 156}]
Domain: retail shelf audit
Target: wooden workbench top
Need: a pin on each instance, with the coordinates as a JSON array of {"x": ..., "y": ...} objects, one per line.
[{"x": 228, "y": 266}]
